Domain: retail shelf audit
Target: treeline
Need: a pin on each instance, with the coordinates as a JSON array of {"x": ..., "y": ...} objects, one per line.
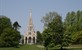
[
  {"x": 9, "y": 34},
  {"x": 73, "y": 26},
  {"x": 61, "y": 33}
]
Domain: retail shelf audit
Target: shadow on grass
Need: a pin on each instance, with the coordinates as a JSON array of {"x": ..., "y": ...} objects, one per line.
[
  {"x": 11, "y": 47},
  {"x": 60, "y": 49}
]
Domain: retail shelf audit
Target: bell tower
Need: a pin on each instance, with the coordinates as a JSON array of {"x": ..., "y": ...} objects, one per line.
[{"x": 30, "y": 36}]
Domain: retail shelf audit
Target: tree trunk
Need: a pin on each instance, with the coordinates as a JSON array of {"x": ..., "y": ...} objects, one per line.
[
  {"x": 61, "y": 48},
  {"x": 46, "y": 48}
]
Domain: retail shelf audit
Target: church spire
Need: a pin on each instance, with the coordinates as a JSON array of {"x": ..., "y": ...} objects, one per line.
[
  {"x": 30, "y": 26},
  {"x": 30, "y": 13},
  {"x": 30, "y": 18}
]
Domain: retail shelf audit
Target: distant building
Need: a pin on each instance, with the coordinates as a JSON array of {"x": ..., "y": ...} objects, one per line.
[{"x": 30, "y": 36}]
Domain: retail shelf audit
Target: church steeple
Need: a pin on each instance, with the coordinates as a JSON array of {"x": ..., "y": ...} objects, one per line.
[
  {"x": 30, "y": 26},
  {"x": 30, "y": 18},
  {"x": 30, "y": 13}
]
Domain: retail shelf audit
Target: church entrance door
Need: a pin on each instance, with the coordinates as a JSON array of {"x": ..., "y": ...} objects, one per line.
[{"x": 29, "y": 40}]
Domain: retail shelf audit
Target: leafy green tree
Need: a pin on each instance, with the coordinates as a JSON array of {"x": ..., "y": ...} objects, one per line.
[
  {"x": 48, "y": 18},
  {"x": 9, "y": 37},
  {"x": 4, "y": 23},
  {"x": 70, "y": 22},
  {"x": 56, "y": 28},
  {"x": 79, "y": 20},
  {"x": 46, "y": 38},
  {"x": 77, "y": 37},
  {"x": 39, "y": 38},
  {"x": 54, "y": 33},
  {"x": 22, "y": 39},
  {"x": 73, "y": 23},
  {"x": 16, "y": 25}
]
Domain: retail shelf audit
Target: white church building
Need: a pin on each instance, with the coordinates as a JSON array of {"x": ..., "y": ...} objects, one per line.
[{"x": 30, "y": 36}]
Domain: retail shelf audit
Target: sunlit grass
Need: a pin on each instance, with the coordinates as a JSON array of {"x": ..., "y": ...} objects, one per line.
[{"x": 39, "y": 47}]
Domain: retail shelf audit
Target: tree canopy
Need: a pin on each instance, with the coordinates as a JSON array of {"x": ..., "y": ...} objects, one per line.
[
  {"x": 9, "y": 37},
  {"x": 54, "y": 33},
  {"x": 73, "y": 23},
  {"x": 62, "y": 33}
]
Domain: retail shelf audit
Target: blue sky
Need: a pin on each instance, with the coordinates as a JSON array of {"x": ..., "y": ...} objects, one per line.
[{"x": 18, "y": 10}]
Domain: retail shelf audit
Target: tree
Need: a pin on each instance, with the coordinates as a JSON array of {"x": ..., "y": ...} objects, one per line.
[
  {"x": 56, "y": 28},
  {"x": 22, "y": 39},
  {"x": 8, "y": 36},
  {"x": 73, "y": 23},
  {"x": 79, "y": 20},
  {"x": 4, "y": 23},
  {"x": 16, "y": 26},
  {"x": 54, "y": 33},
  {"x": 70, "y": 22},
  {"x": 77, "y": 37},
  {"x": 46, "y": 38},
  {"x": 48, "y": 18},
  {"x": 39, "y": 38}
]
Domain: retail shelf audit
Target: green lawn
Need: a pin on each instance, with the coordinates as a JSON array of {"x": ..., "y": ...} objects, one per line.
[
  {"x": 25, "y": 47},
  {"x": 39, "y": 47}
]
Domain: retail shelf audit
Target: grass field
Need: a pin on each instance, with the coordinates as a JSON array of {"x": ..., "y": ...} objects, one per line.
[
  {"x": 39, "y": 47},
  {"x": 24, "y": 47}
]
